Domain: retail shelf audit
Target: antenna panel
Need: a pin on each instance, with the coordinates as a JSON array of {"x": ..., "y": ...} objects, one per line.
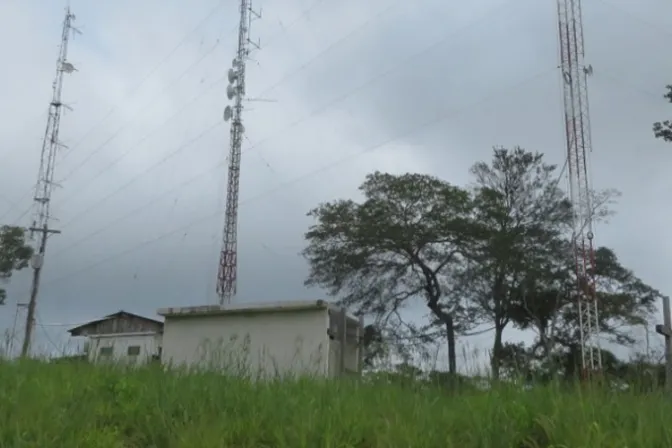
[
  {"x": 230, "y": 91},
  {"x": 228, "y": 113},
  {"x": 233, "y": 75}
]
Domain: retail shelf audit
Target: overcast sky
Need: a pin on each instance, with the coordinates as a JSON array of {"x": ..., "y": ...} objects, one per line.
[{"x": 384, "y": 85}]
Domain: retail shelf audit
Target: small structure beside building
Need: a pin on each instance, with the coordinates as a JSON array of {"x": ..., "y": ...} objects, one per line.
[
  {"x": 264, "y": 339},
  {"x": 122, "y": 337}
]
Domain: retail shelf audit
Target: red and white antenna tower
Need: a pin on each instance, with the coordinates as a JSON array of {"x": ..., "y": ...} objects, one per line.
[
  {"x": 228, "y": 261},
  {"x": 575, "y": 73}
]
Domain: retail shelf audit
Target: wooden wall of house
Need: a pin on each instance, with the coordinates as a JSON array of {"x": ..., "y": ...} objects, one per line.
[{"x": 121, "y": 324}]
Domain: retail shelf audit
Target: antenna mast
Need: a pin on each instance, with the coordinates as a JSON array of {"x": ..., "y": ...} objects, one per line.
[
  {"x": 45, "y": 178},
  {"x": 228, "y": 261},
  {"x": 575, "y": 73}
]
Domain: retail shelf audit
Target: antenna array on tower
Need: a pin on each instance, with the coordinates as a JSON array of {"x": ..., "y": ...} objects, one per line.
[
  {"x": 577, "y": 126},
  {"x": 228, "y": 262},
  {"x": 45, "y": 178}
]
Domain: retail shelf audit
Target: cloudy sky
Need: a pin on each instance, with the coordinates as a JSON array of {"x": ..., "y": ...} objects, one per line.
[{"x": 356, "y": 86}]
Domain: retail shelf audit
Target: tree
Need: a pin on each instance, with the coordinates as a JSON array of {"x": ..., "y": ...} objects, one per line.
[
  {"x": 664, "y": 129},
  {"x": 551, "y": 309},
  {"x": 14, "y": 254},
  {"x": 397, "y": 246},
  {"x": 519, "y": 215}
]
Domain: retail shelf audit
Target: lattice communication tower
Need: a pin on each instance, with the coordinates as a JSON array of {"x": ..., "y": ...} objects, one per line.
[
  {"x": 575, "y": 73},
  {"x": 228, "y": 260},
  {"x": 45, "y": 179}
]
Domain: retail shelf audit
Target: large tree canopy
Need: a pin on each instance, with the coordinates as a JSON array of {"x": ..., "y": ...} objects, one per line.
[
  {"x": 521, "y": 214},
  {"x": 499, "y": 253},
  {"x": 664, "y": 129},
  {"x": 398, "y": 245},
  {"x": 14, "y": 254}
]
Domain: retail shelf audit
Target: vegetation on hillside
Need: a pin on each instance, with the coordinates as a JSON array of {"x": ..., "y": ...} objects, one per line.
[
  {"x": 496, "y": 253},
  {"x": 78, "y": 405}
]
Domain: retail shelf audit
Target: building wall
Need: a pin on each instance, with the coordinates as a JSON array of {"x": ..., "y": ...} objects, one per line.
[
  {"x": 351, "y": 358},
  {"x": 267, "y": 344},
  {"x": 148, "y": 345}
]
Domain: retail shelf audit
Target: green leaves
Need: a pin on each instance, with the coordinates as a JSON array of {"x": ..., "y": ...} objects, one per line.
[
  {"x": 14, "y": 253},
  {"x": 500, "y": 253},
  {"x": 391, "y": 246}
]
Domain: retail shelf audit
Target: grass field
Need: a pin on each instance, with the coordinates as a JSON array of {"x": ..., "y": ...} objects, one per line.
[{"x": 79, "y": 406}]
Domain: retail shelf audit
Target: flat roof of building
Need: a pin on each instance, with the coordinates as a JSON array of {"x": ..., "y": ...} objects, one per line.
[{"x": 246, "y": 308}]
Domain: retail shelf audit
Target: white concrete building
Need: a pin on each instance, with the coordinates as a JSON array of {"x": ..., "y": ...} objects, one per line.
[
  {"x": 266, "y": 339},
  {"x": 122, "y": 337}
]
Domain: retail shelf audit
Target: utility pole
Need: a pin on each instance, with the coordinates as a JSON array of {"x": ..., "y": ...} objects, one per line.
[
  {"x": 45, "y": 178},
  {"x": 228, "y": 260},
  {"x": 666, "y": 331},
  {"x": 575, "y": 74}
]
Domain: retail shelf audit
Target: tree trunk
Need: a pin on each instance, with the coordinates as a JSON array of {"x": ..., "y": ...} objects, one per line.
[
  {"x": 450, "y": 336},
  {"x": 496, "y": 358}
]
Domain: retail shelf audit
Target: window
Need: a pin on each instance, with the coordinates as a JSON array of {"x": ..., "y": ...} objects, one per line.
[
  {"x": 133, "y": 350},
  {"x": 105, "y": 351}
]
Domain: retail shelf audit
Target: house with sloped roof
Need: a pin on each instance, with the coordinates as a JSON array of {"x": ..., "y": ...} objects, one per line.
[{"x": 122, "y": 337}]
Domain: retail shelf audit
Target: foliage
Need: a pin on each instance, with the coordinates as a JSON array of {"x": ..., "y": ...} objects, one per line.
[
  {"x": 501, "y": 253},
  {"x": 14, "y": 253},
  {"x": 80, "y": 405},
  {"x": 521, "y": 216},
  {"x": 394, "y": 247},
  {"x": 664, "y": 129}
]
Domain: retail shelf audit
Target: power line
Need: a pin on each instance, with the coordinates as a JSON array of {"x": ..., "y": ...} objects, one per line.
[
  {"x": 285, "y": 78},
  {"x": 147, "y": 105},
  {"x": 326, "y": 106},
  {"x": 151, "y": 168},
  {"x": 29, "y": 124},
  {"x": 151, "y": 72},
  {"x": 154, "y": 199},
  {"x": 145, "y": 138},
  {"x": 401, "y": 64},
  {"x": 637, "y": 18},
  {"x": 438, "y": 118}
]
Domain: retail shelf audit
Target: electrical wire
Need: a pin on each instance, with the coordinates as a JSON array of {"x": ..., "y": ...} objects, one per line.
[
  {"x": 660, "y": 96},
  {"x": 150, "y": 169},
  {"x": 635, "y": 17},
  {"x": 402, "y": 64},
  {"x": 150, "y": 134},
  {"x": 284, "y": 79},
  {"x": 303, "y": 14},
  {"x": 149, "y": 74},
  {"x": 131, "y": 120},
  {"x": 29, "y": 124},
  {"x": 434, "y": 120},
  {"x": 150, "y": 202},
  {"x": 149, "y": 104}
]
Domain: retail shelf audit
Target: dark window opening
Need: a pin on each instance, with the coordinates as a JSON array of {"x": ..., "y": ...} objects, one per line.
[
  {"x": 133, "y": 350},
  {"x": 105, "y": 351}
]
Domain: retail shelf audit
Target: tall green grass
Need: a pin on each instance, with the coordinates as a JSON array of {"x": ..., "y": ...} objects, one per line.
[{"x": 77, "y": 405}]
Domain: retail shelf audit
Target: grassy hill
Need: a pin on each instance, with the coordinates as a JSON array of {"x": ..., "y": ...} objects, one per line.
[{"x": 79, "y": 405}]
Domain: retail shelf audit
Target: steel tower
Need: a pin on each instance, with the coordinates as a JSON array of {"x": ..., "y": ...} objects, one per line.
[
  {"x": 228, "y": 261},
  {"x": 575, "y": 73},
  {"x": 45, "y": 178}
]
